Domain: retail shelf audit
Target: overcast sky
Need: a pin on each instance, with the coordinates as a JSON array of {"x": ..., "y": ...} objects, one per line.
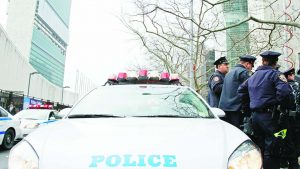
[{"x": 99, "y": 43}]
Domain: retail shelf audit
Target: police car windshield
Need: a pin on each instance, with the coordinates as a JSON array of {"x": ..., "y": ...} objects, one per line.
[
  {"x": 143, "y": 101},
  {"x": 33, "y": 114}
]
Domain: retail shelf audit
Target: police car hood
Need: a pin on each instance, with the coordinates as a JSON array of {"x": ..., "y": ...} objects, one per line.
[{"x": 132, "y": 142}]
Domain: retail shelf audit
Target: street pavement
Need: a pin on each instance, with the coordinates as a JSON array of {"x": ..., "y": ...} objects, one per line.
[{"x": 4, "y": 159}]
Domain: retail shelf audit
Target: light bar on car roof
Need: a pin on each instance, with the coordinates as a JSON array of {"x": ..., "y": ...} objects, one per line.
[
  {"x": 112, "y": 78},
  {"x": 132, "y": 77},
  {"x": 153, "y": 76},
  {"x": 174, "y": 77},
  {"x": 144, "y": 77},
  {"x": 37, "y": 106}
]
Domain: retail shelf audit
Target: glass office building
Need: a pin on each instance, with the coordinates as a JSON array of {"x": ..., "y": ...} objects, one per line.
[
  {"x": 40, "y": 31},
  {"x": 237, "y": 41},
  {"x": 50, "y": 39}
]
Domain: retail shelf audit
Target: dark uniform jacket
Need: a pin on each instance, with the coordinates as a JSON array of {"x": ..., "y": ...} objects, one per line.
[
  {"x": 265, "y": 88},
  {"x": 230, "y": 101},
  {"x": 215, "y": 84},
  {"x": 295, "y": 87},
  {"x": 296, "y": 105}
]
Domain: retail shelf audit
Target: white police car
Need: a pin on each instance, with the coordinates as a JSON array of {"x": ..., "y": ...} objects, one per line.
[
  {"x": 9, "y": 129},
  {"x": 138, "y": 126},
  {"x": 34, "y": 117}
]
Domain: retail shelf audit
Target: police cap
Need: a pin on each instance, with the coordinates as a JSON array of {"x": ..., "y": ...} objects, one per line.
[
  {"x": 248, "y": 58},
  {"x": 270, "y": 54},
  {"x": 221, "y": 60},
  {"x": 289, "y": 72}
]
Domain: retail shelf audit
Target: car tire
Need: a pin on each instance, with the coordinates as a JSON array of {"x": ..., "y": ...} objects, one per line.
[{"x": 8, "y": 140}]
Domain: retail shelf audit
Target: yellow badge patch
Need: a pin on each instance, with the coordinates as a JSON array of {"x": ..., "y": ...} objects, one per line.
[
  {"x": 216, "y": 79},
  {"x": 282, "y": 77}
]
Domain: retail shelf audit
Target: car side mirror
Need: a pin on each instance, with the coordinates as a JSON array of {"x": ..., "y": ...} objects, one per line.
[{"x": 218, "y": 112}]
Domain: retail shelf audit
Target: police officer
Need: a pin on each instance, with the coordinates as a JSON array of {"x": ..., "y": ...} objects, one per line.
[
  {"x": 261, "y": 93},
  {"x": 230, "y": 101},
  {"x": 290, "y": 76},
  {"x": 294, "y": 120},
  {"x": 215, "y": 82}
]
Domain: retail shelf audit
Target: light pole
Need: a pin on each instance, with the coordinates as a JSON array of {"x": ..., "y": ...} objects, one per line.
[
  {"x": 32, "y": 73},
  {"x": 62, "y": 93}
]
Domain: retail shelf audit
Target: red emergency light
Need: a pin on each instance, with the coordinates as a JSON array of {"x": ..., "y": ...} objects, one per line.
[
  {"x": 144, "y": 77},
  {"x": 143, "y": 73},
  {"x": 165, "y": 77},
  {"x": 122, "y": 76},
  {"x": 37, "y": 106}
]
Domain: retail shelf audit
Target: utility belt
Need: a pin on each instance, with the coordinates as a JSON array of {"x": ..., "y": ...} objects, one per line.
[
  {"x": 278, "y": 113},
  {"x": 268, "y": 109},
  {"x": 274, "y": 110}
]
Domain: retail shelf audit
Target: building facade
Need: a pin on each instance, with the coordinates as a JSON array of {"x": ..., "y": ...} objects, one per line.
[
  {"x": 253, "y": 38},
  {"x": 15, "y": 76},
  {"x": 237, "y": 41},
  {"x": 40, "y": 30},
  {"x": 284, "y": 39}
]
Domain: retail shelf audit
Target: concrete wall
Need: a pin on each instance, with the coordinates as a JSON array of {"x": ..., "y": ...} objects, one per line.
[
  {"x": 20, "y": 22},
  {"x": 14, "y": 75}
]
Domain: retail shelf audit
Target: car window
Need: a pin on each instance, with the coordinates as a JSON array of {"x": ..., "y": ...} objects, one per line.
[
  {"x": 189, "y": 98},
  {"x": 135, "y": 100},
  {"x": 3, "y": 113}
]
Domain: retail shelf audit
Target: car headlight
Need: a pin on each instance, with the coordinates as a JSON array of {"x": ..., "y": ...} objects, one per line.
[
  {"x": 23, "y": 156},
  {"x": 246, "y": 156}
]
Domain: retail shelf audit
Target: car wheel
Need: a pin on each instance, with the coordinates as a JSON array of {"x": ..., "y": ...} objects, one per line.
[{"x": 8, "y": 140}]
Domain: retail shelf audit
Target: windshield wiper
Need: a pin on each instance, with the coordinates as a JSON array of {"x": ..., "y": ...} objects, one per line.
[
  {"x": 169, "y": 116},
  {"x": 93, "y": 116}
]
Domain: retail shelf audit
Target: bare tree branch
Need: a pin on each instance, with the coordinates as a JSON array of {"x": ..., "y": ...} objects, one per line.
[{"x": 287, "y": 23}]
